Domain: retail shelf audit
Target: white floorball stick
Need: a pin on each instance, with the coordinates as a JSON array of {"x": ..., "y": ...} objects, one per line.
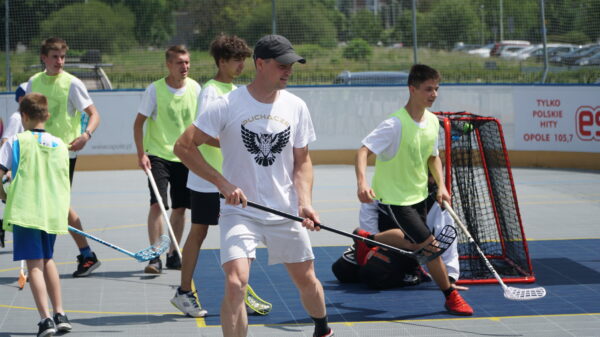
[
  {"x": 22, "y": 276},
  {"x": 164, "y": 212},
  {"x": 511, "y": 293}
]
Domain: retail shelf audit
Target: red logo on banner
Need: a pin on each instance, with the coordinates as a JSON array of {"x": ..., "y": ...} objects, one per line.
[{"x": 587, "y": 123}]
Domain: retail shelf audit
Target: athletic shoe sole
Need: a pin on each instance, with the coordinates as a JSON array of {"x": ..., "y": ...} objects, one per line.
[
  {"x": 203, "y": 312},
  {"x": 458, "y": 313},
  {"x": 152, "y": 270},
  {"x": 64, "y": 327}
]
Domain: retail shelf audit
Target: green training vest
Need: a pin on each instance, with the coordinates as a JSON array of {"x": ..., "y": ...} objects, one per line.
[
  {"x": 402, "y": 180},
  {"x": 40, "y": 193},
  {"x": 56, "y": 89},
  {"x": 173, "y": 115},
  {"x": 211, "y": 154}
]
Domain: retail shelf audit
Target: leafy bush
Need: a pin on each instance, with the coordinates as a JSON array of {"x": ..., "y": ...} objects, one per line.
[
  {"x": 92, "y": 25},
  {"x": 357, "y": 49}
]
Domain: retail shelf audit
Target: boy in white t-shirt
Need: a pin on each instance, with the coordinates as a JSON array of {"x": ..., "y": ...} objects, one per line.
[
  {"x": 167, "y": 107},
  {"x": 406, "y": 146},
  {"x": 68, "y": 98},
  {"x": 264, "y": 132},
  {"x": 229, "y": 53},
  {"x": 14, "y": 125}
]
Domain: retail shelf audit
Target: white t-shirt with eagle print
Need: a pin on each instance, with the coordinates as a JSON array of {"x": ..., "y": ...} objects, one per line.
[{"x": 257, "y": 142}]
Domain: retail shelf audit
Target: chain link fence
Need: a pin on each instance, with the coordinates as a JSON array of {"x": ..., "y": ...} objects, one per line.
[{"x": 470, "y": 41}]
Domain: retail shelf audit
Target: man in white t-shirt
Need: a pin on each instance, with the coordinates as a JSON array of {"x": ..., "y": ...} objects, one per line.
[
  {"x": 167, "y": 107},
  {"x": 264, "y": 133},
  {"x": 67, "y": 98}
]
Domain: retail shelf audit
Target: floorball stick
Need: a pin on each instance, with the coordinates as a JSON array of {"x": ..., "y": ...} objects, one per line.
[
  {"x": 421, "y": 259},
  {"x": 164, "y": 212},
  {"x": 511, "y": 293},
  {"x": 143, "y": 255},
  {"x": 22, "y": 276}
]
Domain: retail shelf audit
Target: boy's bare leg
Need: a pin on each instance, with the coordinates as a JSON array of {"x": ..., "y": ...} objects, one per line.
[
  {"x": 38, "y": 286},
  {"x": 395, "y": 237},
  {"x": 155, "y": 223},
  {"x": 438, "y": 272},
  {"x": 191, "y": 250},
  {"x": 53, "y": 285},
  {"x": 75, "y": 221},
  {"x": 234, "y": 319},
  {"x": 309, "y": 286},
  {"x": 177, "y": 220}
]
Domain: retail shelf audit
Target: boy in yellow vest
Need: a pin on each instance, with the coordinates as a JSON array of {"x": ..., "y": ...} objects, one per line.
[
  {"x": 168, "y": 106},
  {"x": 406, "y": 146},
  {"x": 37, "y": 206},
  {"x": 67, "y": 99},
  {"x": 229, "y": 53}
]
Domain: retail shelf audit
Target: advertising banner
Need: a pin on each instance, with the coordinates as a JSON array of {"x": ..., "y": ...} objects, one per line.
[{"x": 557, "y": 118}]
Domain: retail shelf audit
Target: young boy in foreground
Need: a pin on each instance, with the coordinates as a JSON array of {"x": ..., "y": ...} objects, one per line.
[{"x": 37, "y": 206}]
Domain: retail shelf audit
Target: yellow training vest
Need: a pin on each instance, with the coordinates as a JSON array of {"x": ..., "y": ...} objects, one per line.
[
  {"x": 402, "y": 180},
  {"x": 40, "y": 193},
  {"x": 173, "y": 115},
  {"x": 56, "y": 89}
]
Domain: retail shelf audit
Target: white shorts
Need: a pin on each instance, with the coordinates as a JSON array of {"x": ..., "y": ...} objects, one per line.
[{"x": 286, "y": 241}]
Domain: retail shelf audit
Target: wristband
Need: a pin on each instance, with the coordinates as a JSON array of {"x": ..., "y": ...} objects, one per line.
[{"x": 89, "y": 134}]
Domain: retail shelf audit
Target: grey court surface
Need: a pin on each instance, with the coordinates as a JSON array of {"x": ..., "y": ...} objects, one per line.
[{"x": 120, "y": 300}]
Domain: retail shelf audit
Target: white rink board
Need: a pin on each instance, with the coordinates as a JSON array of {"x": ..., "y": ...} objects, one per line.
[{"x": 344, "y": 115}]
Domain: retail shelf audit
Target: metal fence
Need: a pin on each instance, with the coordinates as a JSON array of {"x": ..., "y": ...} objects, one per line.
[{"x": 470, "y": 41}]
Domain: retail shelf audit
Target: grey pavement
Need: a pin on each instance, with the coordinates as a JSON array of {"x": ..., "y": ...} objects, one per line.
[{"x": 120, "y": 300}]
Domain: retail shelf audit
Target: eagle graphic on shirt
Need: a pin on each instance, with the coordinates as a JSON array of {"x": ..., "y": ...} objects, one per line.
[{"x": 265, "y": 145}]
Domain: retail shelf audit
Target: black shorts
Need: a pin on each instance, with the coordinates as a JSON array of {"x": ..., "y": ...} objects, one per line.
[
  {"x": 412, "y": 219},
  {"x": 206, "y": 208},
  {"x": 170, "y": 173},
  {"x": 72, "y": 162}
]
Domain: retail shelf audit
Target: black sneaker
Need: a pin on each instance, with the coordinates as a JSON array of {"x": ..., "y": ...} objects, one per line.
[
  {"x": 85, "y": 266},
  {"x": 154, "y": 266},
  {"x": 62, "y": 323},
  {"x": 173, "y": 261},
  {"x": 46, "y": 328}
]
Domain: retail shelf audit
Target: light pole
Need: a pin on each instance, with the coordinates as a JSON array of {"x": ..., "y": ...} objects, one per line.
[
  {"x": 482, "y": 23},
  {"x": 501, "y": 21}
]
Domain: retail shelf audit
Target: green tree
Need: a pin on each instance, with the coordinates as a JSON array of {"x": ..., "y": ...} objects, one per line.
[
  {"x": 357, "y": 49},
  {"x": 92, "y": 25},
  {"x": 453, "y": 21},
  {"x": 154, "y": 22},
  {"x": 365, "y": 25}
]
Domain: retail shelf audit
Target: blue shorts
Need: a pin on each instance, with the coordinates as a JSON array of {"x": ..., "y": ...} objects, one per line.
[{"x": 32, "y": 244}]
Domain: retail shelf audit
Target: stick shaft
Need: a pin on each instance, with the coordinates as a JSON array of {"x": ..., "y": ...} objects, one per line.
[
  {"x": 466, "y": 231},
  {"x": 337, "y": 231},
  {"x": 164, "y": 212},
  {"x": 108, "y": 244}
]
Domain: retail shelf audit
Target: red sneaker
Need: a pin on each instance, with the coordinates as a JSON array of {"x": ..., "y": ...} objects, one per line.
[
  {"x": 456, "y": 305},
  {"x": 361, "y": 249}
]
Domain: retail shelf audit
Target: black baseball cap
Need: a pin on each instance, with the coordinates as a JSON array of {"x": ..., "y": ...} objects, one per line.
[{"x": 276, "y": 47}]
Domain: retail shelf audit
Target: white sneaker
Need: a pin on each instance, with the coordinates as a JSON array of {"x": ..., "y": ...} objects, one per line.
[{"x": 187, "y": 304}]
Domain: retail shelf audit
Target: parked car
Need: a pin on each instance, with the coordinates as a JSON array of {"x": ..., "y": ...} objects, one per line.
[
  {"x": 497, "y": 48},
  {"x": 571, "y": 58},
  {"x": 483, "y": 51},
  {"x": 511, "y": 51},
  {"x": 536, "y": 52},
  {"x": 593, "y": 60},
  {"x": 371, "y": 77},
  {"x": 554, "y": 50}
]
